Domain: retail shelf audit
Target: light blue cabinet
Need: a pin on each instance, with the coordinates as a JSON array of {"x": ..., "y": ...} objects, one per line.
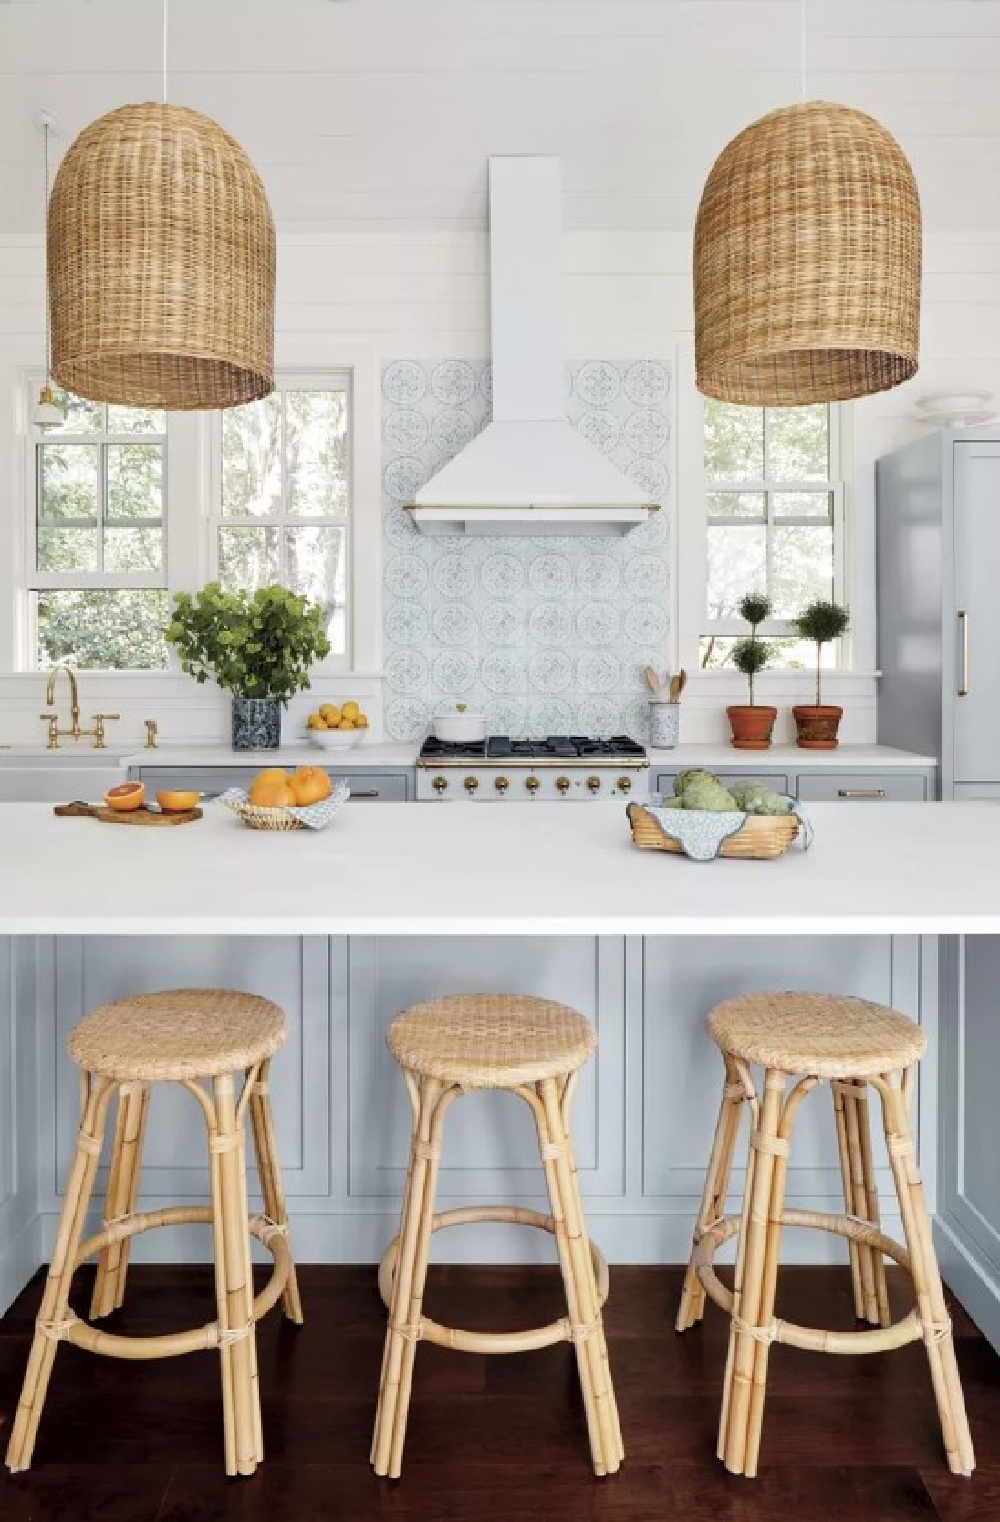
[{"x": 378, "y": 785}]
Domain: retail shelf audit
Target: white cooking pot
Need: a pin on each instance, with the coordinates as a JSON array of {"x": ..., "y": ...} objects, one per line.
[{"x": 459, "y": 727}]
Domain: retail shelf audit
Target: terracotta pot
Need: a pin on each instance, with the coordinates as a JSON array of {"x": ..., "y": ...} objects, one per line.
[
  {"x": 752, "y": 726},
  {"x": 817, "y": 726}
]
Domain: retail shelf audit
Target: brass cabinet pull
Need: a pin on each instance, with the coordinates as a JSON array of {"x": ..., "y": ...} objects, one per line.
[
  {"x": 963, "y": 683},
  {"x": 861, "y": 792}
]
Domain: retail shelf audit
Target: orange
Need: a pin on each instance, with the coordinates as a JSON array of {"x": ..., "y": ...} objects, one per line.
[
  {"x": 126, "y": 797},
  {"x": 272, "y": 793},
  {"x": 310, "y": 785},
  {"x": 176, "y": 801},
  {"x": 270, "y": 774}
]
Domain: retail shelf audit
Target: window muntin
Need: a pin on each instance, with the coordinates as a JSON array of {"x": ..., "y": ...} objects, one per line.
[
  {"x": 97, "y": 559},
  {"x": 773, "y": 521},
  {"x": 284, "y": 496}
]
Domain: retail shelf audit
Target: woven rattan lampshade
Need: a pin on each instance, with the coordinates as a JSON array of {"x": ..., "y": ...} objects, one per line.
[
  {"x": 161, "y": 264},
  {"x": 807, "y": 261}
]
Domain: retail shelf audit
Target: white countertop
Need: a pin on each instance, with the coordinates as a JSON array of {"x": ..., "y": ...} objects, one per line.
[
  {"x": 788, "y": 758},
  {"x": 457, "y": 869}
]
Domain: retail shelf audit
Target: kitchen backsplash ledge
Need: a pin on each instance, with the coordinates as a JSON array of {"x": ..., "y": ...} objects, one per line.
[{"x": 544, "y": 634}]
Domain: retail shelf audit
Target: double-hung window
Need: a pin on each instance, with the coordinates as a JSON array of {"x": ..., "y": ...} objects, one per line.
[
  {"x": 773, "y": 520},
  {"x": 97, "y": 552},
  {"x": 282, "y": 495}
]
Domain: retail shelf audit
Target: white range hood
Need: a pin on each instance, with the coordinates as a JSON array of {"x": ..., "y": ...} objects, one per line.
[{"x": 529, "y": 471}]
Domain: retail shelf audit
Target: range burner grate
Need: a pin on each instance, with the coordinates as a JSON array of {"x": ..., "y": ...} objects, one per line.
[{"x": 554, "y": 747}]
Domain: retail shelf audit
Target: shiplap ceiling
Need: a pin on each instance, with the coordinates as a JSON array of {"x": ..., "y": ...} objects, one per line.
[{"x": 378, "y": 115}]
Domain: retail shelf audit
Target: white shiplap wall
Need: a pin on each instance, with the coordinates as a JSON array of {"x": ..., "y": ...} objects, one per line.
[{"x": 371, "y": 121}]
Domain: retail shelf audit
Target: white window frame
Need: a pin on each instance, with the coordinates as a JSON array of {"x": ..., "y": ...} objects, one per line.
[
  {"x": 180, "y": 522},
  {"x": 361, "y": 571},
  {"x": 691, "y": 554}
]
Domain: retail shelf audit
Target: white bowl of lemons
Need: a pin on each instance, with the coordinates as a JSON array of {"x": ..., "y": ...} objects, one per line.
[{"x": 337, "y": 728}]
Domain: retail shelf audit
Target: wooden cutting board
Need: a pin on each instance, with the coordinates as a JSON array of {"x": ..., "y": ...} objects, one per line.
[{"x": 114, "y": 816}]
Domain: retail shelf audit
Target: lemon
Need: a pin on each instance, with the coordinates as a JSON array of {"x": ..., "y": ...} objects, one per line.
[
  {"x": 361, "y": 722},
  {"x": 347, "y": 724},
  {"x": 330, "y": 714},
  {"x": 315, "y": 721},
  {"x": 349, "y": 710}
]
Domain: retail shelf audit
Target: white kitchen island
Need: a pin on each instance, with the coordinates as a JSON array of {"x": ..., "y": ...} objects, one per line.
[{"x": 895, "y": 902}]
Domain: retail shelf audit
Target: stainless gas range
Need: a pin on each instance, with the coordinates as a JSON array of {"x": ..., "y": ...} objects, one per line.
[{"x": 500, "y": 769}]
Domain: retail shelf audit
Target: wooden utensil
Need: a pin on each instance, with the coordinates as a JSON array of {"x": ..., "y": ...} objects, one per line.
[
  {"x": 677, "y": 685},
  {"x": 142, "y": 815},
  {"x": 652, "y": 680}
]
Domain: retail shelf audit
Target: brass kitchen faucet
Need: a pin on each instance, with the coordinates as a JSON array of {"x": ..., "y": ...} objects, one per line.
[{"x": 74, "y": 732}]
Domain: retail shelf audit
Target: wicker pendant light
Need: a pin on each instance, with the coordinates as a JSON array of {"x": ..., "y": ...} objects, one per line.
[
  {"x": 161, "y": 256},
  {"x": 807, "y": 261}
]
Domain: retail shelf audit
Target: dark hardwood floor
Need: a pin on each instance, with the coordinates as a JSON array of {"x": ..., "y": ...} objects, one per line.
[{"x": 499, "y": 1438}]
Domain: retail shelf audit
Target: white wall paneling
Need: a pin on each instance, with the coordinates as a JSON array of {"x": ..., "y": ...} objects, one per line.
[{"x": 643, "y": 1114}]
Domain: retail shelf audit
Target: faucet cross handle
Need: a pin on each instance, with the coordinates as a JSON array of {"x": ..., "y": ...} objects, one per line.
[
  {"x": 52, "y": 720},
  {"x": 99, "y": 719}
]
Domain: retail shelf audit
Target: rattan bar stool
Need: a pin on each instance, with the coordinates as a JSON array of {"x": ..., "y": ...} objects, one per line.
[
  {"x": 533, "y": 1048},
  {"x": 852, "y": 1044},
  {"x": 202, "y": 1039}
]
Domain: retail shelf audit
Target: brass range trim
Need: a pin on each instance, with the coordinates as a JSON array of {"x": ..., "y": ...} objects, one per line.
[{"x": 534, "y": 763}]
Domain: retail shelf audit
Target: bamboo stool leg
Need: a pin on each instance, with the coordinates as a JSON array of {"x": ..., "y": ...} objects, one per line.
[
  {"x": 403, "y": 1328},
  {"x": 52, "y": 1316},
  {"x": 123, "y": 1189},
  {"x": 747, "y": 1326},
  {"x": 271, "y": 1183},
  {"x": 234, "y": 1288},
  {"x": 927, "y": 1285},
  {"x": 404, "y": 1216},
  {"x": 769, "y": 1278},
  {"x": 549, "y": 1106},
  {"x": 864, "y": 1199},
  {"x": 869, "y": 1191},
  {"x": 713, "y": 1200},
  {"x": 843, "y": 1147}
]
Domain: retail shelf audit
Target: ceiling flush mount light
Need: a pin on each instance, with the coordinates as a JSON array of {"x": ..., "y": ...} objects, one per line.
[
  {"x": 807, "y": 260},
  {"x": 46, "y": 413},
  {"x": 161, "y": 258}
]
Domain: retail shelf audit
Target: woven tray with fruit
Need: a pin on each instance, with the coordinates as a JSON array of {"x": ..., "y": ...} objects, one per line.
[
  {"x": 281, "y": 800},
  {"x": 704, "y": 819}
]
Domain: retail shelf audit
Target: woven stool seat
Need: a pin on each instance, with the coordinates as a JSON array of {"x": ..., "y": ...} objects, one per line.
[
  {"x": 827, "y": 1035},
  {"x": 490, "y": 1041},
  {"x": 178, "y": 1034}
]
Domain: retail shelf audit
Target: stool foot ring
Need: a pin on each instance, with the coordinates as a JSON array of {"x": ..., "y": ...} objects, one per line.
[
  {"x": 462, "y": 1341},
  {"x": 876, "y": 1339},
  {"x": 172, "y": 1344}
]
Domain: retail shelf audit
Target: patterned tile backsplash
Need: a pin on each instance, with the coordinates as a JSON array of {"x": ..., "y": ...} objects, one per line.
[{"x": 544, "y": 634}]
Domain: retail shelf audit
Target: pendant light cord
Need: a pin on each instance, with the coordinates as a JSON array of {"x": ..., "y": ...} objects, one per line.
[
  {"x": 165, "y": 33},
  {"x": 802, "y": 48}
]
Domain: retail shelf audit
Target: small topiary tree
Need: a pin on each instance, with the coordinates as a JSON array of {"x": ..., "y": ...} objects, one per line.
[
  {"x": 750, "y": 655},
  {"x": 821, "y": 622}
]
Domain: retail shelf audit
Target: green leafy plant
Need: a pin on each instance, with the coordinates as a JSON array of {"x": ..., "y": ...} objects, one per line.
[
  {"x": 751, "y": 654},
  {"x": 821, "y": 622},
  {"x": 256, "y": 646}
]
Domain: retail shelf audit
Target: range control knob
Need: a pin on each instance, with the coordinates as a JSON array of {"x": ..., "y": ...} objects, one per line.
[
  {"x": 471, "y": 784},
  {"x": 439, "y": 784},
  {"x": 563, "y": 784},
  {"x": 532, "y": 784},
  {"x": 594, "y": 783},
  {"x": 501, "y": 784},
  {"x": 624, "y": 784}
]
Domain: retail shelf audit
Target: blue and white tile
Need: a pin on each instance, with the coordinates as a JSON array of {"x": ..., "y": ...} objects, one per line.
[
  {"x": 550, "y": 623},
  {"x": 404, "y": 382},
  {"x": 598, "y": 623},
  {"x": 454, "y": 623},
  {"x": 453, "y": 381},
  {"x": 406, "y": 623},
  {"x": 646, "y": 623},
  {"x": 454, "y": 672},
  {"x": 647, "y": 383},
  {"x": 454, "y": 574},
  {"x": 549, "y": 716},
  {"x": 503, "y": 623},
  {"x": 550, "y": 575},
  {"x": 598, "y": 671},
  {"x": 598, "y": 575},
  {"x": 550, "y": 672},
  {"x": 598, "y": 383},
  {"x": 502, "y": 573},
  {"x": 406, "y": 719},
  {"x": 600, "y": 428},
  {"x": 646, "y": 576},
  {"x": 407, "y": 671},
  {"x": 646, "y": 432},
  {"x": 405, "y": 575},
  {"x": 504, "y": 672},
  {"x": 598, "y": 716}
]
